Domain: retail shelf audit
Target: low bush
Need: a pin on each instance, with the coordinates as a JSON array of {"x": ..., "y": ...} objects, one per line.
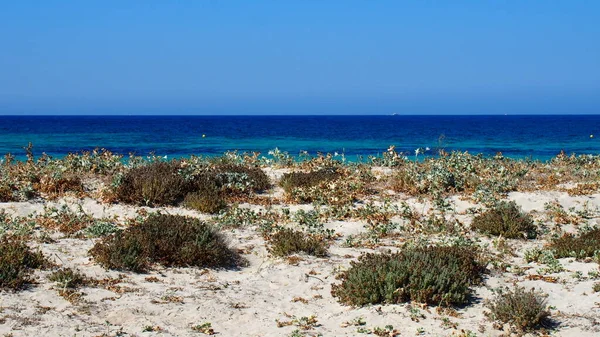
[
  {"x": 67, "y": 278},
  {"x": 507, "y": 220},
  {"x": 241, "y": 179},
  {"x": 526, "y": 310},
  {"x": 16, "y": 262},
  {"x": 205, "y": 201},
  {"x": 585, "y": 245},
  {"x": 171, "y": 240},
  {"x": 287, "y": 242},
  {"x": 155, "y": 184},
  {"x": 290, "y": 181},
  {"x": 438, "y": 275},
  {"x": 206, "y": 197}
]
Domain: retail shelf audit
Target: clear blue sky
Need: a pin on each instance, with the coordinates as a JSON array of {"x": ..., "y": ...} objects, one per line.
[{"x": 296, "y": 57}]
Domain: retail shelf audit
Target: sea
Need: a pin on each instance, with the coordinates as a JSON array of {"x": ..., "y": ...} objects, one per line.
[{"x": 536, "y": 137}]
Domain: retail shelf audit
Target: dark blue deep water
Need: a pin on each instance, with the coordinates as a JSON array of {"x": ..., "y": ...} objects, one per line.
[{"x": 537, "y": 137}]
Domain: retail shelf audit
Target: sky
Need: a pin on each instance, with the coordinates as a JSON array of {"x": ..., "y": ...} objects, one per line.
[{"x": 299, "y": 57}]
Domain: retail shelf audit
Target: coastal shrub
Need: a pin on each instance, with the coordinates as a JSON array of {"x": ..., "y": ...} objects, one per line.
[
  {"x": 526, "y": 310},
  {"x": 507, "y": 220},
  {"x": 235, "y": 178},
  {"x": 170, "y": 240},
  {"x": 206, "y": 196},
  {"x": 67, "y": 278},
  {"x": 585, "y": 245},
  {"x": 207, "y": 202},
  {"x": 287, "y": 242},
  {"x": 155, "y": 184},
  {"x": 438, "y": 275},
  {"x": 16, "y": 262},
  {"x": 290, "y": 181}
]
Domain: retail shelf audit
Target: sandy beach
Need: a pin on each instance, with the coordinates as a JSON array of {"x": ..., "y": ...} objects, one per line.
[{"x": 292, "y": 296}]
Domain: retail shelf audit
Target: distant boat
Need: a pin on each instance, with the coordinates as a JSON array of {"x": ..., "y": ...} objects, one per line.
[{"x": 394, "y": 114}]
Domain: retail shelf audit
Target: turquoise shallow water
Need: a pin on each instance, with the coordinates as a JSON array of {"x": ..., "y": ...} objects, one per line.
[{"x": 537, "y": 137}]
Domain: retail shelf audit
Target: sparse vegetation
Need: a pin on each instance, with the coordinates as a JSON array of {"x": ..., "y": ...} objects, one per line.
[
  {"x": 507, "y": 220},
  {"x": 170, "y": 240},
  {"x": 439, "y": 258}
]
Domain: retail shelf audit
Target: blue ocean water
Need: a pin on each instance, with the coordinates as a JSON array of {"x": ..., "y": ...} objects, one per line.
[{"x": 537, "y": 137}]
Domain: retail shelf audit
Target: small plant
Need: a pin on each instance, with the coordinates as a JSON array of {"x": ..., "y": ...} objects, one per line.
[
  {"x": 506, "y": 220},
  {"x": 67, "y": 278},
  {"x": 205, "y": 328},
  {"x": 439, "y": 275},
  {"x": 526, "y": 310},
  {"x": 580, "y": 247},
  {"x": 287, "y": 242},
  {"x": 170, "y": 240},
  {"x": 16, "y": 262},
  {"x": 596, "y": 287},
  {"x": 100, "y": 228}
]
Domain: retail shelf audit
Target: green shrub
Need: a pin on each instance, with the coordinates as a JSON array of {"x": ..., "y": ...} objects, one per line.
[
  {"x": 525, "y": 310},
  {"x": 439, "y": 275},
  {"x": 287, "y": 242},
  {"x": 171, "y": 240},
  {"x": 16, "y": 262},
  {"x": 506, "y": 220},
  {"x": 155, "y": 184},
  {"x": 582, "y": 246},
  {"x": 67, "y": 278},
  {"x": 290, "y": 181},
  {"x": 241, "y": 179}
]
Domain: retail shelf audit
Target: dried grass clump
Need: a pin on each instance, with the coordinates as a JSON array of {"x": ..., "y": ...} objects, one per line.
[
  {"x": 525, "y": 310},
  {"x": 438, "y": 275},
  {"x": 16, "y": 262},
  {"x": 170, "y": 240},
  {"x": 507, "y": 220},
  {"x": 287, "y": 242},
  {"x": 585, "y": 245},
  {"x": 155, "y": 184},
  {"x": 54, "y": 186}
]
